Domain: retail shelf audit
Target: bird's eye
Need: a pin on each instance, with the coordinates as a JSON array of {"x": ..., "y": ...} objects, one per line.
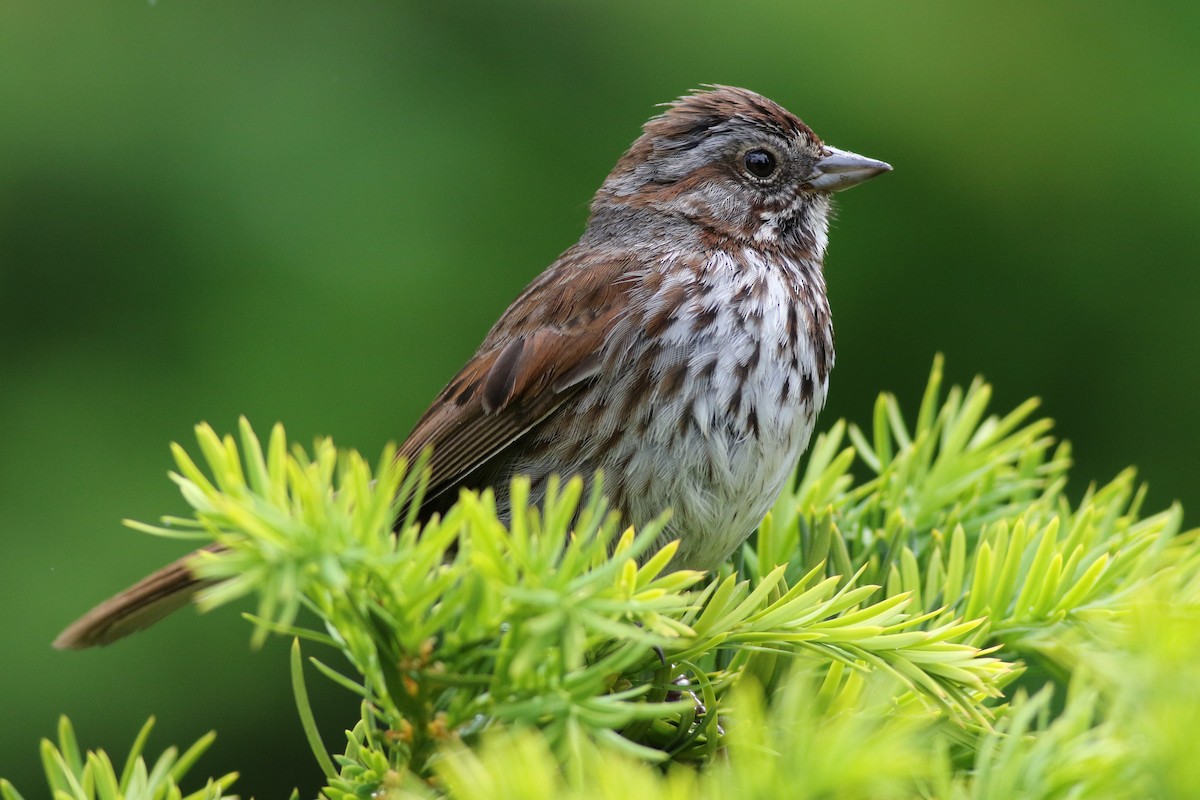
[{"x": 759, "y": 163}]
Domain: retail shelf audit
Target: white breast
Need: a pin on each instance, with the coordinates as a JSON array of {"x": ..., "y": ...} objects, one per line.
[{"x": 718, "y": 444}]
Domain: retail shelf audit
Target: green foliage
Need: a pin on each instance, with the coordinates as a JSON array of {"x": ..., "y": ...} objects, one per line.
[
  {"x": 946, "y": 625},
  {"x": 92, "y": 776}
]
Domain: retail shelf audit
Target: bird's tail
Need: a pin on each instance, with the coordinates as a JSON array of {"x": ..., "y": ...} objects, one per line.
[{"x": 138, "y": 607}]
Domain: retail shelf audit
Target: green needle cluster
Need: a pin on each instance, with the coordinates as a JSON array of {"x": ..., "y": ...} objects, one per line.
[{"x": 925, "y": 613}]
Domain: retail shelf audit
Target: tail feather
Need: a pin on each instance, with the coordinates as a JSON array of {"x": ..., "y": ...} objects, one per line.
[{"x": 138, "y": 607}]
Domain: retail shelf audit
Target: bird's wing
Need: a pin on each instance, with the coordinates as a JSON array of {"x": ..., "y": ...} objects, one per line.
[{"x": 544, "y": 349}]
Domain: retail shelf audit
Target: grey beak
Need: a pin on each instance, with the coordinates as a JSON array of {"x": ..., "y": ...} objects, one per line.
[{"x": 841, "y": 169}]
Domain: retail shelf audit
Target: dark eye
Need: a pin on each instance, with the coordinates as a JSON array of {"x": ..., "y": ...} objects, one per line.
[{"x": 760, "y": 163}]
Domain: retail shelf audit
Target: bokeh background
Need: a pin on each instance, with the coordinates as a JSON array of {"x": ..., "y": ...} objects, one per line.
[{"x": 311, "y": 212}]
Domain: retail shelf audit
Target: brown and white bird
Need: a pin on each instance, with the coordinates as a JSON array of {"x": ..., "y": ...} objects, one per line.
[{"x": 683, "y": 346}]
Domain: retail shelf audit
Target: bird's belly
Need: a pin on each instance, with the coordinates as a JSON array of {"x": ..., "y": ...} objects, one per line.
[{"x": 720, "y": 463}]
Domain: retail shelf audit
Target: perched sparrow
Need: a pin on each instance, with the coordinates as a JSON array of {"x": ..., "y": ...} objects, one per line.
[{"x": 683, "y": 346}]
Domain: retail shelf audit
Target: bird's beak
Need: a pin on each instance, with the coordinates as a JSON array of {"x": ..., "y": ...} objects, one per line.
[{"x": 841, "y": 169}]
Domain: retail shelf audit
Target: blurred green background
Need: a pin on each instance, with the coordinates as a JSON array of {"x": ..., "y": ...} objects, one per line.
[{"x": 311, "y": 212}]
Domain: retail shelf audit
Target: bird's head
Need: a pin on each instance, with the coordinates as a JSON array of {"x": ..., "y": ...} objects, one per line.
[{"x": 737, "y": 165}]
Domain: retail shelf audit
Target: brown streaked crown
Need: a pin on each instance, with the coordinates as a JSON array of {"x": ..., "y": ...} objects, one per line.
[{"x": 708, "y": 107}]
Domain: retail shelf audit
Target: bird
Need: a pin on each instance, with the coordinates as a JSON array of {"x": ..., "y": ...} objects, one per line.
[{"x": 681, "y": 348}]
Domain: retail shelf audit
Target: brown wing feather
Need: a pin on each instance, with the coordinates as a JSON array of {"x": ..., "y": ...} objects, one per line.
[{"x": 544, "y": 349}]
